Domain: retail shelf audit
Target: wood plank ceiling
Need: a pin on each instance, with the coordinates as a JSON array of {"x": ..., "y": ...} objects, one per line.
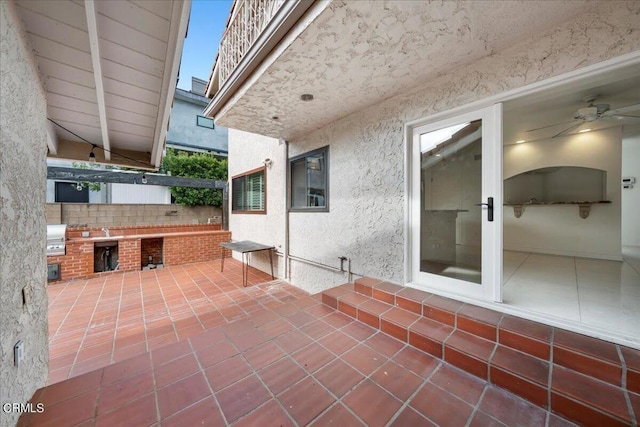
[{"x": 109, "y": 69}]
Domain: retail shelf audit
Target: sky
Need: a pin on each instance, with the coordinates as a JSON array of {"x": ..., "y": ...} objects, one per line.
[{"x": 208, "y": 18}]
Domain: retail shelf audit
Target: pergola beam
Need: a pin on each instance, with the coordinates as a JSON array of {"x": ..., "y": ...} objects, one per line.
[
  {"x": 94, "y": 42},
  {"x": 126, "y": 177}
]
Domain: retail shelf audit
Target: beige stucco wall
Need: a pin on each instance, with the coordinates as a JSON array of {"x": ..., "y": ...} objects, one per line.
[
  {"x": 248, "y": 152},
  {"x": 23, "y": 175},
  {"x": 367, "y": 148},
  {"x": 99, "y": 215}
]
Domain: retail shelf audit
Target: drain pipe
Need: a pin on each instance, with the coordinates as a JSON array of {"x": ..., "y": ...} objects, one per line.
[{"x": 285, "y": 248}]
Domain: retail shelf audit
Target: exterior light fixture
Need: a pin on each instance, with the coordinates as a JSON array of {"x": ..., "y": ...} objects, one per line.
[
  {"x": 79, "y": 186},
  {"x": 144, "y": 178},
  {"x": 585, "y": 130},
  {"x": 92, "y": 155},
  {"x": 306, "y": 97},
  {"x": 520, "y": 141},
  {"x": 267, "y": 162}
]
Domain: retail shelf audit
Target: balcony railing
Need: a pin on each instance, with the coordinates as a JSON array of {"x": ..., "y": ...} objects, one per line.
[{"x": 249, "y": 19}]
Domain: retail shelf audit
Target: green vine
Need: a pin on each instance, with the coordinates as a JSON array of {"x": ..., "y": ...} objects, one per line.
[{"x": 195, "y": 165}]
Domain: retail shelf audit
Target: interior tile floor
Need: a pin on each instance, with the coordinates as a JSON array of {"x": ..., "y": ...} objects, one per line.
[
  {"x": 600, "y": 293},
  {"x": 288, "y": 360}
]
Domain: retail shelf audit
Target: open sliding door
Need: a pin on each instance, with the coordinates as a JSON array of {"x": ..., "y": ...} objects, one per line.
[{"x": 456, "y": 205}]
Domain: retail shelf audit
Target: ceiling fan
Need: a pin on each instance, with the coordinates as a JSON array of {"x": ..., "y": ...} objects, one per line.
[{"x": 594, "y": 112}]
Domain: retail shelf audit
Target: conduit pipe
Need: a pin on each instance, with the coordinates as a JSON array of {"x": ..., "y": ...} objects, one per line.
[
  {"x": 285, "y": 245},
  {"x": 350, "y": 273}
]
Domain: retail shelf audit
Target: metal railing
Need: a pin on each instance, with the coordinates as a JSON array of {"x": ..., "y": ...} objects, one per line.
[{"x": 249, "y": 19}]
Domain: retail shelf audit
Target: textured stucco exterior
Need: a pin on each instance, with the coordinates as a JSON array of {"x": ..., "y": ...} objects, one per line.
[
  {"x": 362, "y": 52},
  {"x": 23, "y": 150},
  {"x": 248, "y": 152},
  {"x": 366, "y": 221}
]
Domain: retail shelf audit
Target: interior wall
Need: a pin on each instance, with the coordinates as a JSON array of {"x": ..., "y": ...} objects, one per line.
[
  {"x": 559, "y": 229},
  {"x": 23, "y": 173},
  {"x": 456, "y": 184},
  {"x": 631, "y": 197}
]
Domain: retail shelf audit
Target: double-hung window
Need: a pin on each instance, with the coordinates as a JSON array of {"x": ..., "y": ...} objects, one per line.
[
  {"x": 248, "y": 192},
  {"x": 310, "y": 181}
]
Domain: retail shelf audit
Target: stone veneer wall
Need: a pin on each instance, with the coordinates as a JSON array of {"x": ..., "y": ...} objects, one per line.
[
  {"x": 100, "y": 215},
  {"x": 23, "y": 174}
]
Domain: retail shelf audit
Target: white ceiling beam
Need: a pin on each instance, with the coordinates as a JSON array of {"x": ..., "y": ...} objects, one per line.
[
  {"x": 178, "y": 31},
  {"x": 52, "y": 139},
  {"x": 94, "y": 42}
]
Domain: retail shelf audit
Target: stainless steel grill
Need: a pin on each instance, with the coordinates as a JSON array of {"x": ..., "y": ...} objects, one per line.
[{"x": 56, "y": 239}]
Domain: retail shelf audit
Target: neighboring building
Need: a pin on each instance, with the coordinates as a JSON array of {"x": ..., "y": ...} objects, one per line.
[
  {"x": 189, "y": 131},
  {"x": 337, "y": 119}
]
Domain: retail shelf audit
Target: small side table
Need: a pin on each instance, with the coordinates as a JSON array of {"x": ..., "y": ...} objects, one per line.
[{"x": 245, "y": 248}]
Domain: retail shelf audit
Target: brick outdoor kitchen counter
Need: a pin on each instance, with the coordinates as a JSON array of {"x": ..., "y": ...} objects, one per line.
[{"x": 139, "y": 246}]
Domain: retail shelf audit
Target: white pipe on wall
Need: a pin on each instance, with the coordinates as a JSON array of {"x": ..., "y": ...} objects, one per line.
[{"x": 285, "y": 248}]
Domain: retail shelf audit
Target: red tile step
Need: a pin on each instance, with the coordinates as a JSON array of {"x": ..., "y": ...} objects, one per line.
[{"x": 540, "y": 363}]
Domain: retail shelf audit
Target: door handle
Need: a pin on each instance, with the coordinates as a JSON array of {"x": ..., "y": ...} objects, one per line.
[{"x": 489, "y": 206}]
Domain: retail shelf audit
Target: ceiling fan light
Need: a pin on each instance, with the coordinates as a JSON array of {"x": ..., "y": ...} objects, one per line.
[{"x": 588, "y": 114}]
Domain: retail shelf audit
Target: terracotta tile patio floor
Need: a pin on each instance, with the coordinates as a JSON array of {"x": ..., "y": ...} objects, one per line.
[
  {"x": 268, "y": 354},
  {"x": 100, "y": 321}
]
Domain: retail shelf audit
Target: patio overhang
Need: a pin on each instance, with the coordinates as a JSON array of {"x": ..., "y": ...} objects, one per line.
[
  {"x": 109, "y": 71},
  {"x": 351, "y": 55}
]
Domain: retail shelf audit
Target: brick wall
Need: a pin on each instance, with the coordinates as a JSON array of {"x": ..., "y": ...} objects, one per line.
[
  {"x": 180, "y": 250},
  {"x": 78, "y": 262},
  {"x": 53, "y": 213},
  {"x": 133, "y": 252},
  {"x": 101, "y": 215},
  {"x": 151, "y": 248},
  {"x": 129, "y": 255}
]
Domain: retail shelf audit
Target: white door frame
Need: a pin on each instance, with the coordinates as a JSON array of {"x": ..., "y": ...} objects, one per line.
[{"x": 490, "y": 286}]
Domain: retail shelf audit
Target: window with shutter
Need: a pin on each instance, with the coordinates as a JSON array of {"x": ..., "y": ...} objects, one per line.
[{"x": 249, "y": 192}]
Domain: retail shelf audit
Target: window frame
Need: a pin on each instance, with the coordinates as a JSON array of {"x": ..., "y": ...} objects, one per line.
[
  {"x": 246, "y": 174},
  {"x": 322, "y": 150},
  {"x": 58, "y": 192},
  {"x": 198, "y": 117}
]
